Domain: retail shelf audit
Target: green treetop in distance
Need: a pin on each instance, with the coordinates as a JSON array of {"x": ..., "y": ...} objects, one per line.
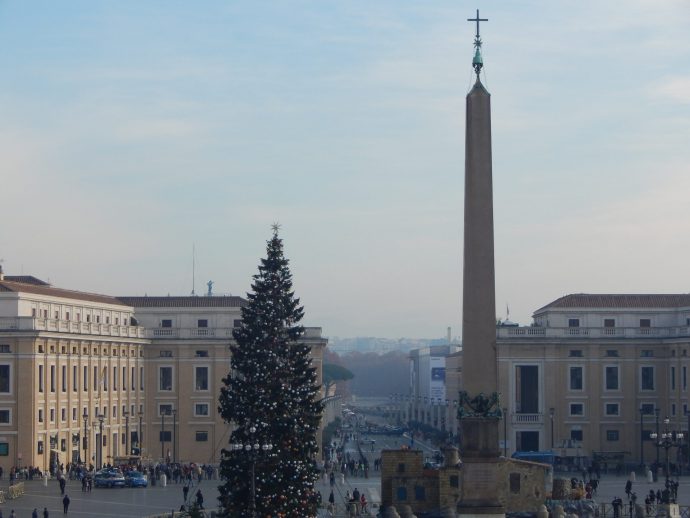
[
  {"x": 332, "y": 373},
  {"x": 271, "y": 388}
]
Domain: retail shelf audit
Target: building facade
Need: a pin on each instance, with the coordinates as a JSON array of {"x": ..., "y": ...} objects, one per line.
[
  {"x": 65, "y": 358},
  {"x": 86, "y": 376},
  {"x": 434, "y": 375},
  {"x": 596, "y": 374}
]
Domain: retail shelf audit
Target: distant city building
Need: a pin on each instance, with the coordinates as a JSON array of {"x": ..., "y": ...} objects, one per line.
[
  {"x": 433, "y": 371},
  {"x": 152, "y": 367}
]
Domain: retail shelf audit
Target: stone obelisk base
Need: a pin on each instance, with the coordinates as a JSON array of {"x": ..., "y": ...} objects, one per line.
[{"x": 480, "y": 478}]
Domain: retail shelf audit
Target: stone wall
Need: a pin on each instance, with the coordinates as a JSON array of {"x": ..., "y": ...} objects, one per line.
[{"x": 404, "y": 481}]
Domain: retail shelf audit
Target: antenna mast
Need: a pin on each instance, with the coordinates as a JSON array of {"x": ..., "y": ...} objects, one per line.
[{"x": 193, "y": 266}]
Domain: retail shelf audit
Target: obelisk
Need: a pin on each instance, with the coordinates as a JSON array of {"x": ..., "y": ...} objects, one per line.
[{"x": 479, "y": 409}]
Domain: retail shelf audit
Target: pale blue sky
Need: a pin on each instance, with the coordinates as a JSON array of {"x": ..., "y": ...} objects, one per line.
[{"x": 130, "y": 130}]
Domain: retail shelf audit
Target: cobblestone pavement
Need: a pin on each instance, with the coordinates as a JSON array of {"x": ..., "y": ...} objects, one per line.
[{"x": 113, "y": 502}]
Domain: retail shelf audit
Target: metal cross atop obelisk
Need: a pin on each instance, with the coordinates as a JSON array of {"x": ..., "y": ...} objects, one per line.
[{"x": 477, "y": 61}]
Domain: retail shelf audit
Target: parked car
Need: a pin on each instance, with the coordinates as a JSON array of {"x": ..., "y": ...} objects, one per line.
[
  {"x": 136, "y": 479},
  {"x": 109, "y": 478}
]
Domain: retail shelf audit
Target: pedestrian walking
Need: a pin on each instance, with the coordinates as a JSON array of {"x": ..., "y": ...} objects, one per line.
[
  {"x": 45, "y": 512},
  {"x": 199, "y": 499},
  {"x": 185, "y": 492},
  {"x": 34, "y": 513},
  {"x": 65, "y": 504},
  {"x": 62, "y": 485}
]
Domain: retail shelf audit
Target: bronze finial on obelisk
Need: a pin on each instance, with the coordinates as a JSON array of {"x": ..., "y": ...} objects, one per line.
[{"x": 479, "y": 409}]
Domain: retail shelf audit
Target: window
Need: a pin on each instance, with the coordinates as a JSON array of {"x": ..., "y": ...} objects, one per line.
[
  {"x": 401, "y": 467},
  {"x": 141, "y": 378},
  {"x": 52, "y": 415},
  {"x": 647, "y": 353},
  {"x": 611, "y": 375},
  {"x": 66, "y": 315},
  {"x": 114, "y": 414},
  {"x": 114, "y": 378},
  {"x": 40, "y": 447},
  {"x": 74, "y": 414},
  {"x": 402, "y": 493},
  {"x": 646, "y": 378},
  {"x": 75, "y": 381},
  {"x": 40, "y": 415},
  {"x": 63, "y": 415},
  {"x": 33, "y": 312},
  {"x": 419, "y": 493},
  {"x": 684, "y": 373},
  {"x": 85, "y": 375},
  {"x": 201, "y": 436},
  {"x": 612, "y": 409},
  {"x": 95, "y": 378},
  {"x": 5, "y": 383},
  {"x": 577, "y": 409},
  {"x": 673, "y": 378},
  {"x": 166, "y": 323},
  {"x": 575, "y": 353},
  {"x": 164, "y": 436},
  {"x": 202, "y": 322},
  {"x": 576, "y": 435},
  {"x": 573, "y": 322},
  {"x": 52, "y": 378},
  {"x": 612, "y": 435},
  {"x": 40, "y": 378},
  {"x": 201, "y": 378},
  {"x": 454, "y": 481},
  {"x": 612, "y": 353},
  {"x": 5, "y": 348},
  {"x": 63, "y": 376},
  {"x": 124, "y": 378},
  {"x": 165, "y": 378},
  {"x": 166, "y": 354},
  {"x": 201, "y": 409},
  {"x": 609, "y": 322},
  {"x": 132, "y": 380},
  {"x": 673, "y": 409},
  {"x": 576, "y": 378},
  {"x": 165, "y": 409},
  {"x": 238, "y": 323},
  {"x": 645, "y": 322},
  {"x": 515, "y": 483},
  {"x": 4, "y": 416},
  {"x": 202, "y": 354}
]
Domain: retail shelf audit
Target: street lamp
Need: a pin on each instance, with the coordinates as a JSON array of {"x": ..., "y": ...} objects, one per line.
[
  {"x": 85, "y": 417},
  {"x": 552, "y": 411},
  {"x": 656, "y": 411},
  {"x": 126, "y": 414},
  {"x": 100, "y": 417},
  {"x": 505, "y": 432},
  {"x": 163, "y": 412},
  {"x": 140, "y": 435},
  {"x": 252, "y": 448},
  {"x": 174, "y": 413},
  {"x": 667, "y": 440},
  {"x": 641, "y": 436}
]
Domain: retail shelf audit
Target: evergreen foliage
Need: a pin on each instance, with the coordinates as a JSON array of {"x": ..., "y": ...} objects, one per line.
[{"x": 272, "y": 387}]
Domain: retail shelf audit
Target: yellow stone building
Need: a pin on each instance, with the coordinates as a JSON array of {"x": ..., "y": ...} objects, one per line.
[{"x": 87, "y": 376}]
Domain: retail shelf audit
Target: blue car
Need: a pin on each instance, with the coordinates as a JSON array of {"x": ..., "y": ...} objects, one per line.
[
  {"x": 136, "y": 479},
  {"x": 109, "y": 478}
]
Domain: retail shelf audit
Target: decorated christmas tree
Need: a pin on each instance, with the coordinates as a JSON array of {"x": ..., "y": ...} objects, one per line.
[{"x": 270, "y": 397}]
